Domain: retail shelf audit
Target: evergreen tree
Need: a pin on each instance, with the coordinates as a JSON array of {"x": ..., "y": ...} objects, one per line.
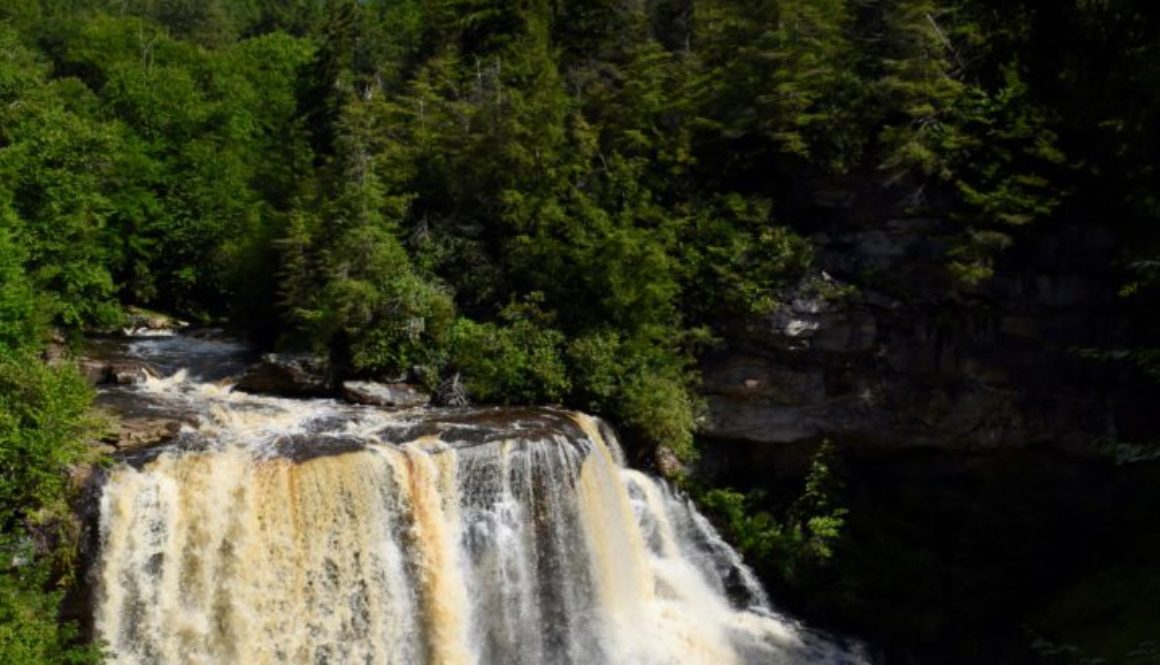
[
  {"x": 778, "y": 87},
  {"x": 921, "y": 86}
]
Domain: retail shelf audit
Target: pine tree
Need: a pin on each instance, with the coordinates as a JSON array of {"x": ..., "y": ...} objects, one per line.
[
  {"x": 777, "y": 82},
  {"x": 922, "y": 87}
]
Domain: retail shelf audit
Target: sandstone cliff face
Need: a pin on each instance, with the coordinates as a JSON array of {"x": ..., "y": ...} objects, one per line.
[{"x": 880, "y": 350}]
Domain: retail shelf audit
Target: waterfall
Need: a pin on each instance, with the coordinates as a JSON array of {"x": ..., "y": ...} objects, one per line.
[{"x": 308, "y": 531}]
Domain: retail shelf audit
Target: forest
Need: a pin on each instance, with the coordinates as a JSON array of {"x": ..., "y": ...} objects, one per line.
[{"x": 532, "y": 202}]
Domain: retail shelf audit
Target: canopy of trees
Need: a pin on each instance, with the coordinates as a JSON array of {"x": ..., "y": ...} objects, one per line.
[{"x": 554, "y": 200}]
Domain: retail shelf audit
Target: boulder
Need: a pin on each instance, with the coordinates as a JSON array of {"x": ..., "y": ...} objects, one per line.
[
  {"x": 128, "y": 373},
  {"x": 142, "y": 322},
  {"x": 668, "y": 464},
  {"x": 96, "y": 372},
  {"x": 138, "y": 433},
  {"x": 371, "y": 393},
  {"x": 116, "y": 372},
  {"x": 289, "y": 375}
]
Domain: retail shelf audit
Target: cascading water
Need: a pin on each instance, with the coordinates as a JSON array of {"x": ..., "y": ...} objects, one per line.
[{"x": 308, "y": 531}]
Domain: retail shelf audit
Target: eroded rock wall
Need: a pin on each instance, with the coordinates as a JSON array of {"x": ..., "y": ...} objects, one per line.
[{"x": 880, "y": 349}]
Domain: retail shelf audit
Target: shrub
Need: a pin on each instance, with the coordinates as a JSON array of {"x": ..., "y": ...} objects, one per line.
[
  {"x": 803, "y": 539},
  {"x": 44, "y": 419},
  {"x": 520, "y": 360}
]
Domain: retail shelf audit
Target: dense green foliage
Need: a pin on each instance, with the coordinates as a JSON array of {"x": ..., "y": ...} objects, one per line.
[
  {"x": 46, "y": 272},
  {"x": 43, "y": 429},
  {"x": 798, "y": 548},
  {"x": 540, "y": 201},
  {"x": 44, "y": 423},
  {"x": 553, "y": 201}
]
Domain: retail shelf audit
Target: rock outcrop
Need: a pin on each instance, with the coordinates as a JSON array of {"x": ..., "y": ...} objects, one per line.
[
  {"x": 100, "y": 372},
  {"x": 372, "y": 393},
  {"x": 143, "y": 322},
  {"x": 132, "y": 434},
  {"x": 879, "y": 349},
  {"x": 289, "y": 375}
]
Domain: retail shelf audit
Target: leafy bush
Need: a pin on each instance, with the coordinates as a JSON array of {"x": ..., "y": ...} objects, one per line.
[
  {"x": 800, "y": 541},
  {"x": 661, "y": 409},
  {"x": 29, "y": 631},
  {"x": 21, "y": 310},
  {"x": 44, "y": 422},
  {"x": 739, "y": 258},
  {"x": 517, "y": 361}
]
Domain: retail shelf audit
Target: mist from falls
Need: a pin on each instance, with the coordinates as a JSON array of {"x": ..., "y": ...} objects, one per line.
[{"x": 308, "y": 531}]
